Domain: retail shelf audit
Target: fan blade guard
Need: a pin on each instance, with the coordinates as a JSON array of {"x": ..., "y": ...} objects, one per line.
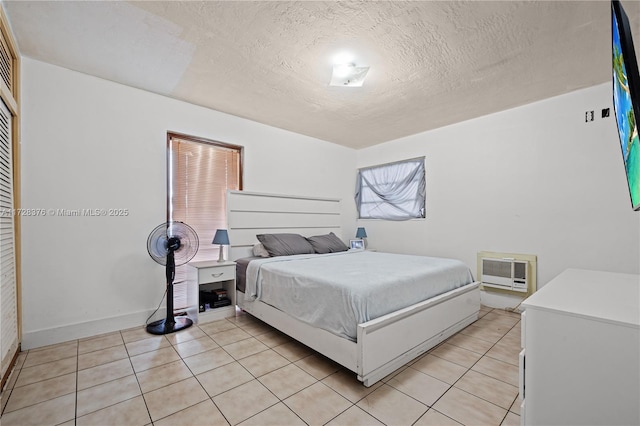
[{"x": 158, "y": 242}]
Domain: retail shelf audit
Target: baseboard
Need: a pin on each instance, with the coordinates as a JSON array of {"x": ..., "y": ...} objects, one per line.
[{"x": 52, "y": 336}]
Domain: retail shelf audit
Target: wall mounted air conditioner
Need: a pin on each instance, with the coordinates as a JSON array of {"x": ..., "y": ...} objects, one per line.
[{"x": 505, "y": 273}]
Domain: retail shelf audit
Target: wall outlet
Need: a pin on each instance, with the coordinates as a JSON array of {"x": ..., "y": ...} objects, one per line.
[{"x": 588, "y": 116}]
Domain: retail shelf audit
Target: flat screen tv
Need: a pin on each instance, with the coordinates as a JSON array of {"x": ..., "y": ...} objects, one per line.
[{"x": 626, "y": 97}]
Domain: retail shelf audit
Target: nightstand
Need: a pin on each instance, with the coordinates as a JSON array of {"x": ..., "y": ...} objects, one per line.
[{"x": 210, "y": 275}]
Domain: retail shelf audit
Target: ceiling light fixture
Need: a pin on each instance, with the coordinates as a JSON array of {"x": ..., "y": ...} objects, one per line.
[{"x": 348, "y": 75}]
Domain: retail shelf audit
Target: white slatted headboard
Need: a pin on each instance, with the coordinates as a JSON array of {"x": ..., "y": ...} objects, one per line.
[{"x": 251, "y": 213}]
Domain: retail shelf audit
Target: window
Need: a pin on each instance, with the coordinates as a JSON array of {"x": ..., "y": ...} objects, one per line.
[
  {"x": 392, "y": 191},
  {"x": 200, "y": 172}
]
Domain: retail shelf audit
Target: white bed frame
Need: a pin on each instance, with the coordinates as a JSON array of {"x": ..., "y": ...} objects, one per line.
[{"x": 383, "y": 344}]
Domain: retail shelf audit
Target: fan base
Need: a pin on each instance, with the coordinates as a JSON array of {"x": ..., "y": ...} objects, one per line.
[{"x": 164, "y": 327}]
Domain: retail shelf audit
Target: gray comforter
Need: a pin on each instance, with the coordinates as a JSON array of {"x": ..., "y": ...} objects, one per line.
[{"x": 338, "y": 291}]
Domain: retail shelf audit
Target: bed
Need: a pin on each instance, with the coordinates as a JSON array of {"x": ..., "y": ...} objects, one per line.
[{"x": 374, "y": 339}]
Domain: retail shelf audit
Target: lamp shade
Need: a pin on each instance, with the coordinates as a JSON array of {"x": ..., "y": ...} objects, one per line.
[
  {"x": 221, "y": 237},
  {"x": 361, "y": 233}
]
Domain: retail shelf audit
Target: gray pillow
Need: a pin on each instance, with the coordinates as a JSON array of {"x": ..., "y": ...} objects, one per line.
[
  {"x": 285, "y": 244},
  {"x": 328, "y": 243}
]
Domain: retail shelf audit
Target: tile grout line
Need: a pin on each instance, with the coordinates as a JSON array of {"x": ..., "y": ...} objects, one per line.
[
  {"x": 137, "y": 380},
  {"x": 75, "y": 411},
  {"x": 266, "y": 387},
  {"x": 234, "y": 360},
  {"x": 289, "y": 362},
  {"x": 469, "y": 369}
]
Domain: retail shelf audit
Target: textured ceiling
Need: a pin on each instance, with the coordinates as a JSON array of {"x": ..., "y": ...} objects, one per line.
[{"x": 432, "y": 63}]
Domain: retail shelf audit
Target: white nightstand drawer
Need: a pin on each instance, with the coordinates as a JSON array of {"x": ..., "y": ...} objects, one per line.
[{"x": 216, "y": 273}]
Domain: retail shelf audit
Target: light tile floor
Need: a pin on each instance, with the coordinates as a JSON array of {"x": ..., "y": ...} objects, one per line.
[{"x": 241, "y": 371}]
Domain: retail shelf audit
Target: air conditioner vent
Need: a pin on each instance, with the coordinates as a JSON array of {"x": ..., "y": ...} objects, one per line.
[
  {"x": 498, "y": 268},
  {"x": 520, "y": 271},
  {"x": 507, "y": 271}
]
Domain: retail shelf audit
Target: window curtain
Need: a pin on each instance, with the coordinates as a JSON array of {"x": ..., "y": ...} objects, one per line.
[
  {"x": 200, "y": 173},
  {"x": 394, "y": 191},
  {"x": 200, "y": 176}
]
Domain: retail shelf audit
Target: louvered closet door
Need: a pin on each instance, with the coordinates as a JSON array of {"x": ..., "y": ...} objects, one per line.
[{"x": 8, "y": 300}]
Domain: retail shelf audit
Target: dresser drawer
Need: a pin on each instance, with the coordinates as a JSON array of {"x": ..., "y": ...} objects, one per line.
[{"x": 216, "y": 273}]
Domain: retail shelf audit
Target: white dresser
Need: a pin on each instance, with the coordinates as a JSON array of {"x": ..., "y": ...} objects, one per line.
[{"x": 581, "y": 359}]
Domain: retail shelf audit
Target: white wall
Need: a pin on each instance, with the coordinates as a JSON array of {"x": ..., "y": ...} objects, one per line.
[
  {"x": 89, "y": 143},
  {"x": 535, "y": 179}
]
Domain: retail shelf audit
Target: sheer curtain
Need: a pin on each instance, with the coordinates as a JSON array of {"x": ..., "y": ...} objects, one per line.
[{"x": 393, "y": 191}]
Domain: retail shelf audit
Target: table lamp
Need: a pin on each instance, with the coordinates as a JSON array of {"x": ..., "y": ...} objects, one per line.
[
  {"x": 361, "y": 233},
  {"x": 222, "y": 238}
]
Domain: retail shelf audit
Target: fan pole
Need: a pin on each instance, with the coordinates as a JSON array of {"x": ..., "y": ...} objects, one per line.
[
  {"x": 170, "y": 324},
  {"x": 170, "y": 273}
]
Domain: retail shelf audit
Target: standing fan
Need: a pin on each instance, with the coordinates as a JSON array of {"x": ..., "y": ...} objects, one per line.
[{"x": 171, "y": 244}]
